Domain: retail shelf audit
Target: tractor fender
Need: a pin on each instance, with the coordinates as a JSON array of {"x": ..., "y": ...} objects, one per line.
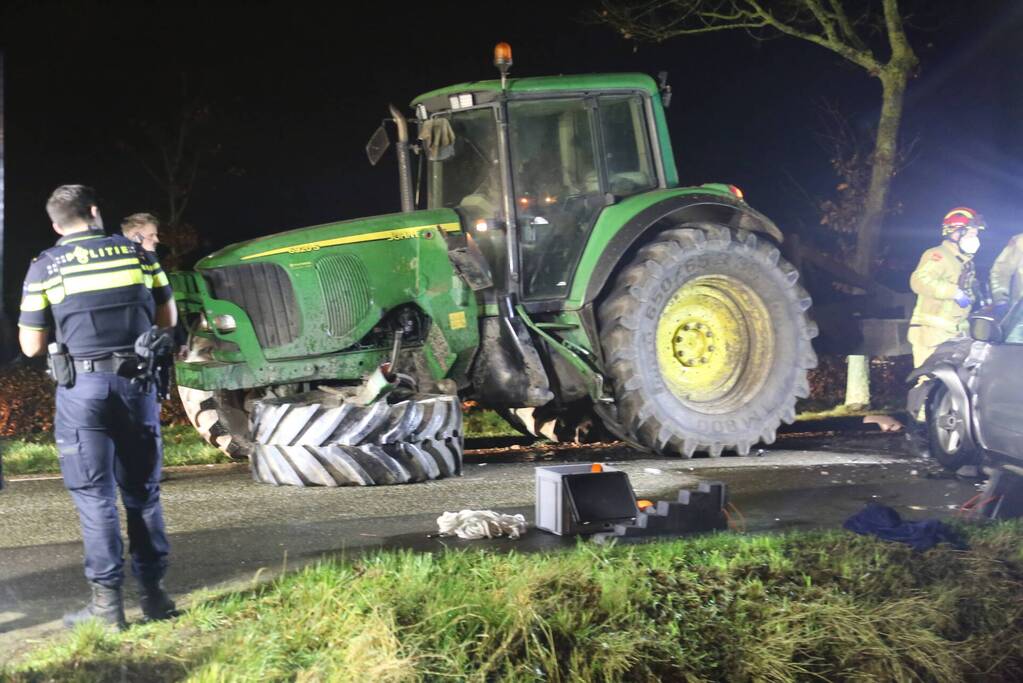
[{"x": 687, "y": 208}]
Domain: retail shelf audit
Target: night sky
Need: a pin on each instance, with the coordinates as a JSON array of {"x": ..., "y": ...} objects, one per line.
[{"x": 295, "y": 91}]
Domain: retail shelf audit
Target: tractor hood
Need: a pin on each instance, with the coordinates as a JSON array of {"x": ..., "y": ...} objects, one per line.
[
  {"x": 305, "y": 241},
  {"x": 321, "y": 290}
]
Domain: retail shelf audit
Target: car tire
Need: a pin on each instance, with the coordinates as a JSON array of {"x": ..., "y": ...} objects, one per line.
[{"x": 946, "y": 431}]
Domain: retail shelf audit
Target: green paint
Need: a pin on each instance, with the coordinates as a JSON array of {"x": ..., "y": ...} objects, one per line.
[{"x": 401, "y": 259}]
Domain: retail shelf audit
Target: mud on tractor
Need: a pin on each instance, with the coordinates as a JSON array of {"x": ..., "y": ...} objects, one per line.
[{"x": 545, "y": 263}]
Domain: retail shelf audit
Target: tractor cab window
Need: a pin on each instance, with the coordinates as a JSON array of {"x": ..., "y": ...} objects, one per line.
[
  {"x": 464, "y": 173},
  {"x": 557, "y": 188},
  {"x": 627, "y": 153}
]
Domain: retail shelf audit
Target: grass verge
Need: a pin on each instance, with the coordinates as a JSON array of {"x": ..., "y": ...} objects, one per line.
[
  {"x": 821, "y": 605},
  {"x": 182, "y": 445}
]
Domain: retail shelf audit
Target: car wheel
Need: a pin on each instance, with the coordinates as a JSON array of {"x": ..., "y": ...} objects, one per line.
[{"x": 947, "y": 429}]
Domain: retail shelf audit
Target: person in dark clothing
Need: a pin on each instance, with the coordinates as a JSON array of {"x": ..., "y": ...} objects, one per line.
[{"x": 94, "y": 294}]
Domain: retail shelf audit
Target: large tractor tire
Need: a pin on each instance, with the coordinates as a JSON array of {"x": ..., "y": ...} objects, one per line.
[
  {"x": 707, "y": 341},
  {"x": 220, "y": 418},
  {"x": 317, "y": 439}
]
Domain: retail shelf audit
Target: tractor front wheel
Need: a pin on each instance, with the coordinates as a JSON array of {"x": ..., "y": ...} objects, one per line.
[
  {"x": 220, "y": 418},
  {"x": 707, "y": 341}
]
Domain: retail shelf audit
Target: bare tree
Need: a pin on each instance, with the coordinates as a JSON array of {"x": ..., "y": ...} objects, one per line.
[
  {"x": 852, "y": 29},
  {"x": 174, "y": 153}
]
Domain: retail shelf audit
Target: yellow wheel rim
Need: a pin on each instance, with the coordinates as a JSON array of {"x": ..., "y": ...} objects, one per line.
[{"x": 714, "y": 343}]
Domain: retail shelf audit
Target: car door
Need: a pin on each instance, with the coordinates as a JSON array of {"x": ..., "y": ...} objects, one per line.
[{"x": 999, "y": 390}]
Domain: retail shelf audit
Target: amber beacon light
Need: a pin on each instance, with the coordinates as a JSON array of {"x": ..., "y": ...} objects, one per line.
[{"x": 503, "y": 60}]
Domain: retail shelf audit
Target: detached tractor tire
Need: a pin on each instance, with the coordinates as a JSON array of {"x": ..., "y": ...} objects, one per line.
[
  {"x": 946, "y": 430},
  {"x": 220, "y": 418},
  {"x": 317, "y": 439},
  {"x": 707, "y": 341}
]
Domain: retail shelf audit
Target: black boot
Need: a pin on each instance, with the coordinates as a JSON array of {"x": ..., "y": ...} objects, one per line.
[
  {"x": 156, "y": 604},
  {"x": 107, "y": 605}
]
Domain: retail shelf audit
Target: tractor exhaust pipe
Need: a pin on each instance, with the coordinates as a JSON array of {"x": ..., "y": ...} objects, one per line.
[{"x": 404, "y": 162}]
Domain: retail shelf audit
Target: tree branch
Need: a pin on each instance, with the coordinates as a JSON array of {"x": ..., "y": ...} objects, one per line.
[
  {"x": 860, "y": 58},
  {"x": 901, "y": 50},
  {"x": 848, "y": 30}
]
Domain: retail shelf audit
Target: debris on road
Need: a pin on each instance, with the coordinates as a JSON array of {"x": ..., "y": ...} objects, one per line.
[
  {"x": 887, "y": 423},
  {"x": 476, "y": 524}
]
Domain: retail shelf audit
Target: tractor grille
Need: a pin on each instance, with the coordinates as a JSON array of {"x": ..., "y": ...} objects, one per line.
[
  {"x": 264, "y": 292},
  {"x": 344, "y": 284}
]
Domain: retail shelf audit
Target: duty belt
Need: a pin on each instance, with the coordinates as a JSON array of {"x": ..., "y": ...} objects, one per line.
[{"x": 119, "y": 364}]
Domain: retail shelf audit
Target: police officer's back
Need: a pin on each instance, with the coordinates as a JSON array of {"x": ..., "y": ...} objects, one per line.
[{"x": 96, "y": 294}]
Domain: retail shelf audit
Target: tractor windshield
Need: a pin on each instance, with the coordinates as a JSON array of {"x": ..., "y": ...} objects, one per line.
[
  {"x": 557, "y": 188},
  {"x": 468, "y": 178}
]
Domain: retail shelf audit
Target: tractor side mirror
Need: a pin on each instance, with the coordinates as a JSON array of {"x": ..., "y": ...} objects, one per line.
[
  {"x": 985, "y": 328},
  {"x": 378, "y": 144}
]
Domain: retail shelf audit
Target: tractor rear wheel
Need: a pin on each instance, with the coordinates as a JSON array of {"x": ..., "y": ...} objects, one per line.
[
  {"x": 318, "y": 439},
  {"x": 707, "y": 341}
]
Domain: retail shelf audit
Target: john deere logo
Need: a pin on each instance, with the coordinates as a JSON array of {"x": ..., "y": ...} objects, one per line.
[{"x": 81, "y": 255}]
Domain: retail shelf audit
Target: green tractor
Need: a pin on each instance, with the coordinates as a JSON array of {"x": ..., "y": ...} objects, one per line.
[{"x": 546, "y": 263}]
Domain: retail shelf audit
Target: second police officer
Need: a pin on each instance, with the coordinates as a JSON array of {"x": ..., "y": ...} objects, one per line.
[{"x": 95, "y": 294}]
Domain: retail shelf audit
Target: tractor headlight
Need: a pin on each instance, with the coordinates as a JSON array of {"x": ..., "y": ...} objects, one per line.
[{"x": 225, "y": 323}]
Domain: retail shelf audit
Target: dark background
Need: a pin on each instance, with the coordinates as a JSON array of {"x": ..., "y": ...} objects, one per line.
[{"x": 294, "y": 91}]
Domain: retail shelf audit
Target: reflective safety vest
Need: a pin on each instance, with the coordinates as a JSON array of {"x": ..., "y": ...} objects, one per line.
[{"x": 98, "y": 292}]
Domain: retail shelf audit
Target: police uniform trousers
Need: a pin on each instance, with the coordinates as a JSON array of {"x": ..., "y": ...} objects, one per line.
[{"x": 108, "y": 438}]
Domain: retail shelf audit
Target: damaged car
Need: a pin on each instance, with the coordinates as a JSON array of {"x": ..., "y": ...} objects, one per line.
[{"x": 970, "y": 396}]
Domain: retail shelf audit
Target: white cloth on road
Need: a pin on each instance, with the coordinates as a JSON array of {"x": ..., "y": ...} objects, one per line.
[{"x": 473, "y": 524}]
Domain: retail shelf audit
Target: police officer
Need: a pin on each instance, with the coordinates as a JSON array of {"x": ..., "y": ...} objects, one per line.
[
  {"x": 1007, "y": 274},
  {"x": 95, "y": 294},
  {"x": 943, "y": 282}
]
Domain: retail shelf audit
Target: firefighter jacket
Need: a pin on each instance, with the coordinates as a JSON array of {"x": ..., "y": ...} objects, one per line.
[
  {"x": 942, "y": 271},
  {"x": 1007, "y": 273}
]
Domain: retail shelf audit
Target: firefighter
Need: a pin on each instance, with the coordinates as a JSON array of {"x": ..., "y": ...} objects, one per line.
[
  {"x": 96, "y": 294},
  {"x": 943, "y": 282},
  {"x": 1007, "y": 274}
]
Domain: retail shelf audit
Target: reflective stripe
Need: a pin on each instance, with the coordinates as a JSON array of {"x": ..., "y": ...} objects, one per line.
[
  {"x": 33, "y": 328},
  {"x": 69, "y": 240},
  {"x": 930, "y": 320},
  {"x": 151, "y": 266},
  {"x": 160, "y": 280},
  {"x": 118, "y": 263},
  {"x": 34, "y": 302},
  {"x": 41, "y": 286},
  {"x": 56, "y": 294},
  {"x": 101, "y": 281}
]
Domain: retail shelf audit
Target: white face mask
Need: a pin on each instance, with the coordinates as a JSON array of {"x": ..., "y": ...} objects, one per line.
[{"x": 969, "y": 244}]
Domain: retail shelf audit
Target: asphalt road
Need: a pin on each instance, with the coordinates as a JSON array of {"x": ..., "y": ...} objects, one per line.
[{"x": 229, "y": 531}]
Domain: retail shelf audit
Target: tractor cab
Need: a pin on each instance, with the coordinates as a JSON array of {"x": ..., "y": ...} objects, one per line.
[
  {"x": 530, "y": 163},
  {"x": 530, "y": 189}
]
